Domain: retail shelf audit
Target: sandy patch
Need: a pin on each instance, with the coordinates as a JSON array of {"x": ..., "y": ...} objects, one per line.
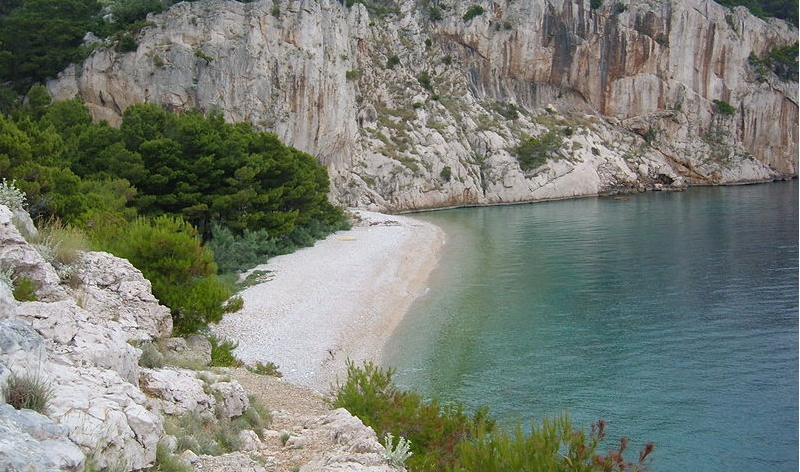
[{"x": 340, "y": 299}]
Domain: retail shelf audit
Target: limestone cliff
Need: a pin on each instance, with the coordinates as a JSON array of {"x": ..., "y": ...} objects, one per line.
[{"x": 411, "y": 112}]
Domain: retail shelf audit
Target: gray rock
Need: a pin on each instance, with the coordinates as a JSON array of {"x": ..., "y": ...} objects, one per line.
[{"x": 31, "y": 441}]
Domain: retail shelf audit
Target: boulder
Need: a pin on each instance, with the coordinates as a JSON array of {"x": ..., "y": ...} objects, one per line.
[
  {"x": 32, "y": 441},
  {"x": 112, "y": 289},
  {"x": 178, "y": 391},
  {"x": 25, "y": 261}
]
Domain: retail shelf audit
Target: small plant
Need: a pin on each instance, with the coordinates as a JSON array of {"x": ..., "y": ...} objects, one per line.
[
  {"x": 222, "y": 352},
  {"x": 151, "y": 357},
  {"x": 396, "y": 455},
  {"x": 425, "y": 80},
  {"x": 595, "y": 4},
  {"x": 256, "y": 417},
  {"x": 446, "y": 174},
  {"x": 435, "y": 14},
  {"x": 621, "y": 8},
  {"x": 24, "y": 289},
  {"x": 472, "y": 12},
  {"x": 199, "y": 53},
  {"x": 392, "y": 61},
  {"x": 6, "y": 277},
  {"x": 351, "y": 74},
  {"x": 158, "y": 61},
  {"x": 650, "y": 135},
  {"x": 11, "y": 196},
  {"x": 59, "y": 243},
  {"x": 27, "y": 392},
  {"x": 428, "y": 43},
  {"x": 284, "y": 438},
  {"x": 168, "y": 462},
  {"x": 265, "y": 369}
]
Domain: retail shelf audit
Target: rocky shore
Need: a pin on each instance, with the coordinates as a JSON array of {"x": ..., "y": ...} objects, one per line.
[{"x": 89, "y": 330}]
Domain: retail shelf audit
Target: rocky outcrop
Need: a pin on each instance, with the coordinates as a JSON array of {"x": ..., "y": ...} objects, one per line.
[
  {"x": 77, "y": 346},
  {"x": 409, "y": 113}
]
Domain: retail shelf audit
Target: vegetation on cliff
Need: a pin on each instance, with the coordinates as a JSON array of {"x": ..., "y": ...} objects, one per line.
[{"x": 157, "y": 189}]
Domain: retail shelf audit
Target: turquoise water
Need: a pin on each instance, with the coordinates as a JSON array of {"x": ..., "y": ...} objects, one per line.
[{"x": 671, "y": 316}]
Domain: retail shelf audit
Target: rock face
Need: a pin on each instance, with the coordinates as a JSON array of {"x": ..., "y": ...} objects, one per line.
[{"x": 409, "y": 113}]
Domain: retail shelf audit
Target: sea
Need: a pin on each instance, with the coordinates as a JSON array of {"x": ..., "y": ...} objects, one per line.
[{"x": 671, "y": 316}]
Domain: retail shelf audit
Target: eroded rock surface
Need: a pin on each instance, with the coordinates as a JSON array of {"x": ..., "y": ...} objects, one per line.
[{"x": 410, "y": 113}]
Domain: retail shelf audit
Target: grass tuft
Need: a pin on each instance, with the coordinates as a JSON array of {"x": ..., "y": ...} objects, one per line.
[{"x": 28, "y": 392}]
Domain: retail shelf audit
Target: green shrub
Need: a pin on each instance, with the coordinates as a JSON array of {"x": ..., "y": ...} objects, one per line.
[
  {"x": 724, "y": 108},
  {"x": 27, "y": 392},
  {"x": 446, "y": 174},
  {"x": 265, "y": 369},
  {"x": 392, "y": 61},
  {"x": 127, "y": 43},
  {"x": 554, "y": 446},
  {"x": 425, "y": 80},
  {"x": 222, "y": 352},
  {"x": 472, "y": 12},
  {"x": 534, "y": 152},
  {"x": 169, "y": 462},
  {"x": 444, "y": 438},
  {"x": 181, "y": 269},
  {"x": 595, "y": 4},
  {"x": 782, "y": 61},
  {"x": 256, "y": 417},
  {"x": 433, "y": 429},
  {"x": 24, "y": 289},
  {"x": 151, "y": 357}
]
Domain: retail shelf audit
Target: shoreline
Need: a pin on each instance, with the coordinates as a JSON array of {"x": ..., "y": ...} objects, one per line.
[{"x": 337, "y": 300}]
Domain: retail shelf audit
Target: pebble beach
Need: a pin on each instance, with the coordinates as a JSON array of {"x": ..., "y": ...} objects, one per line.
[{"x": 341, "y": 299}]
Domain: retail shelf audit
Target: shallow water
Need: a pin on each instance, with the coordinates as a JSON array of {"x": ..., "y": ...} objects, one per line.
[{"x": 672, "y": 316}]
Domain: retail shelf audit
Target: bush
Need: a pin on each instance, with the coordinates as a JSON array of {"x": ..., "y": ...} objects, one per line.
[
  {"x": 269, "y": 369},
  {"x": 27, "y": 392},
  {"x": 434, "y": 430},
  {"x": 595, "y": 4},
  {"x": 392, "y": 61},
  {"x": 127, "y": 43},
  {"x": 181, "y": 269},
  {"x": 472, "y": 12},
  {"x": 11, "y": 196},
  {"x": 151, "y": 357},
  {"x": 553, "y": 445},
  {"x": 724, "y": 108},
  {"x": 534, "y": 152},
  {"x": 446, "y": 174},
  {"x": 24, "y": 289},
  {"x": 445, "y": 438},
  {"x": 425, "y": 80},
  {"x": 222, "y": 352}
]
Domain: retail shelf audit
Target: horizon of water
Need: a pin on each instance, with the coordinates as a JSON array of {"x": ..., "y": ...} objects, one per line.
[{"x": 671, "y": 316}]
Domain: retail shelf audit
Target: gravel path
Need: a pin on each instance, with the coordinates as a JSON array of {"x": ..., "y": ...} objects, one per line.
[{"x": 340, "y": 299}]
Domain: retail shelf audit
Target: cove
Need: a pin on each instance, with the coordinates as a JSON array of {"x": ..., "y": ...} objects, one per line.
[{"x": 672, "y": 316}]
